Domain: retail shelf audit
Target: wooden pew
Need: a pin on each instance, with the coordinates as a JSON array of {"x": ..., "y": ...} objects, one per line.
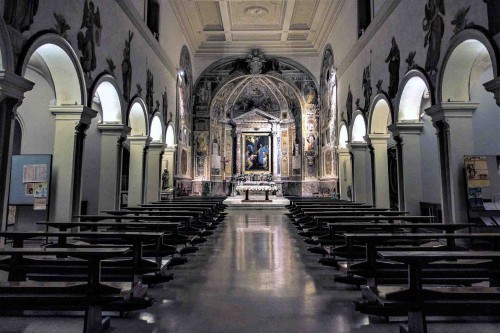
[
  {"x": 419, "y": 301},
  {"x": 91, "y": 297}
]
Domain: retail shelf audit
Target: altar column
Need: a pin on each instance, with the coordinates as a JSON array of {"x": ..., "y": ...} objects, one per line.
[
  {"x": 345, "y": 172},
  {"x": 112, "y": 136},
  {"x": 362, "y": 172},
  {"x": 153, "y": 174},
  {"x": 453, "y": 122},
  {"x": 238, "y": 152},
  {"x": 276, "y": 133},
  {"x": 137, "y": 167}
]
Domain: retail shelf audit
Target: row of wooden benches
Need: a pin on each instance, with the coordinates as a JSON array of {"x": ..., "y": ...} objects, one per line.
[
  {"x": 103, "y": 262},
  {"x": 408, "y": 265}
]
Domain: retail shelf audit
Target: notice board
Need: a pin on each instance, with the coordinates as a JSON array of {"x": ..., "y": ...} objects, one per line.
[{"x": 30, "y": 180}]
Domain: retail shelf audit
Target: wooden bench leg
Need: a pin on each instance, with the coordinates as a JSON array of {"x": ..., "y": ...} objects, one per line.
[
  {"x": 416, "y": 323},
  {"x": 94, "y": 322}
]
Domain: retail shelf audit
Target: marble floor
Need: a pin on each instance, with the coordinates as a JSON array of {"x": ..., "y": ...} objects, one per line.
[{"x": 253, "y": 275}]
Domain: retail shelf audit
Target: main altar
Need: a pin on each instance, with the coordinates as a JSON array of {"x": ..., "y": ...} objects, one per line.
[{"x": 255, "y": 191}]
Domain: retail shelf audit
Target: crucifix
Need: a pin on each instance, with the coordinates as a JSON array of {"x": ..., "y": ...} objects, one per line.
[{"x": 224, "y": 160}]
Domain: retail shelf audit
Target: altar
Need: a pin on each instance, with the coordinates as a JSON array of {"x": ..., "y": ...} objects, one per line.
[{"x": 256, "y": 187}]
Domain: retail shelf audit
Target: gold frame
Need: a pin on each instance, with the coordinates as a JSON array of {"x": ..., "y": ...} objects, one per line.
[{"x": 258, "y": 135}]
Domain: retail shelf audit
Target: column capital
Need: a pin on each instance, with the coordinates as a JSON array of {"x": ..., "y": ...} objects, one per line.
[
  {"x": 343, "y": 152},
  {"x": 377, "y": 138},
  {"x": 13, "y": 85},
  {"x": 493, "y": 86},
  {"x": 449, "y": 110},
  {"x": 404, "y": 128},
  {"x": 114, "y": 129},
  {"x": 139, "y": 139},
  {"x": 357, "y": 146},
  {"x": 156, "y": 145},
  {"x": 79, "y": 113}
]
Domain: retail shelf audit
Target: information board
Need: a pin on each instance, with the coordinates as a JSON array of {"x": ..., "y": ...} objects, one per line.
[{"x": 30, "y": 180}]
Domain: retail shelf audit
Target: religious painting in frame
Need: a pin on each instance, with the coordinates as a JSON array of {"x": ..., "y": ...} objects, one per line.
[{"x": 256, "y": 152}]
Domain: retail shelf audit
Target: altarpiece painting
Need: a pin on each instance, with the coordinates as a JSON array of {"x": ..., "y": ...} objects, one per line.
[{"x": 256, "y": 153}]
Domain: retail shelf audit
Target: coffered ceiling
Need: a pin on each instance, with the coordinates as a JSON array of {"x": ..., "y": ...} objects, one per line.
[{"x": 232, "y": 27}]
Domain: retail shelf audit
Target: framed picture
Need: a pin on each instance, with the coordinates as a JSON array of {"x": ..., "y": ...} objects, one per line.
[{"x": 256, "y": 153}]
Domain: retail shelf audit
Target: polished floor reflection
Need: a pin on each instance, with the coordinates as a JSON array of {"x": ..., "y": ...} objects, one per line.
[{"x": 253, "y": 275}]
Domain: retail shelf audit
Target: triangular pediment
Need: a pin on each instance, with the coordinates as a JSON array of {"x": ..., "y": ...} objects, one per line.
[{"x": 255, "y": 116}]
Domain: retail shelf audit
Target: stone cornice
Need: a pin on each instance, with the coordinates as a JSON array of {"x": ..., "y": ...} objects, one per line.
[
  {"x": 13, "y": 85},
  {"x": 493, "y": 86},
  {"x": 448, "y": 110},
  {"x": 402, "y": 128}
]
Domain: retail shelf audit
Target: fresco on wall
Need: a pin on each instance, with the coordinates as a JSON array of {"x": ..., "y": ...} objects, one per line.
[
  {"x": 89, "y": 36},
  {"x": 19, "y": 14},
  {"x": 348, "y": 106},
  {"x": 367, "y": 87},
  {"x": 284, "y": 153},
  {"x": 326, "y": 85},
  {"x": 410, "y": 61},
  {"x": 61, "y": 28},
  {"x": 127, "y": 68},
  {"x": 493, "y": 7},
  {"x": 460, "y": 20},
  {"x": 184, "y": 162},
  {"x": 255, "y": 95},
  {"x": 433, "y": 25},
  {"x": 149, "y": 91},
  {"x": 393, "y": 59},
  {"x": 164, "y": 106}
]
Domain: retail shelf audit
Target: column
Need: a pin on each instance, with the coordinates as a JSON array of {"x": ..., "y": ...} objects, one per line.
[
  {"x": 12, "y": 89},
  {"x": 239, "y": 167},
  {"x": 167, "y": 163},
  {"x": 493, "y": 86},
  {"x": 381, "y": 172},
  {"x": 345, "y": 172},
  {"x": 153, "y": 178},
  {"x": 136, "y": 172},
  {"x": 112, "y": 136},
  {"x": 453, "y": 122},
  {"x": 410, "y": 168},
  {"x": 71, "y": 123},
  {"x": 362, "y": 172}
]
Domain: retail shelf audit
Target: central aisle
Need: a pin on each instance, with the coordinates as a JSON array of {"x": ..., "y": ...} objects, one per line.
[{"x": 251, "y": 277}]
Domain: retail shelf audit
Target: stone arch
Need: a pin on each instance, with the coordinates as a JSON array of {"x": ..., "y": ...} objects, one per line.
[
  {"x": 170, "y": 135},
  {"x": 156, "y": 128},
  {"x": 61, "y": 61},
  {"x": 465, "y": 61},
  {"x": 358, "y": 128},
  {"x": 6, "y": 53},
  {"x": 343, "y": 139},
  {"x": 380, "y": 114},
  {"x": 414, "y": 95},
  {"x": 106, "y": 93},
  {"x": 137, "y": 118}
]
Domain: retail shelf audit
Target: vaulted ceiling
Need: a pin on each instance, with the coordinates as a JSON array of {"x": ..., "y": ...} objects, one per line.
[{"x": 232, "y": 27}]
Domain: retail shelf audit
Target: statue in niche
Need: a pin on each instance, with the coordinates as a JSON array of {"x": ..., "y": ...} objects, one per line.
[
  {"x": 296, "y": 147},
  {"x": 433, "y": 25},
  {"x": 19, "y": 13},
  {"x": 204, "y": 93},
  {"x": 164, "y": 109},
  {"x": 367, "y": 87},
  {"x": 164, "y": 179},
  {"x": 410, "y": 61},
  {"x": 111, "y": 66},
  {"x": 394, "y": 61},
  {"x": 493, "y": 7},
  {"x": 127, "y": 68},
  {"x": 87, "y": 41},
  {"x": 61, "y": 26},
  {"x": 255, "y": 61},
  {"x": 379, "y": 86},
  {"x": 149, "y": 91},
  {"x": 348, "y": 105},
  {"x": 460, "y": 21}
]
